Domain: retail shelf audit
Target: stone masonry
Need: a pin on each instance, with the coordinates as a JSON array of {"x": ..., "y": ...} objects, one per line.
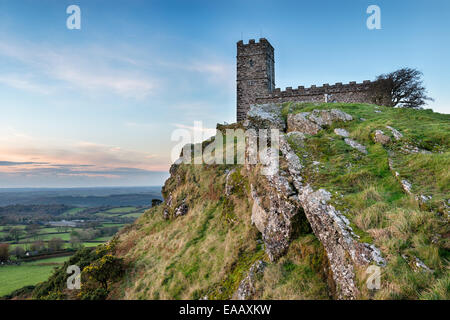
[{"x": 256, "y": 82}]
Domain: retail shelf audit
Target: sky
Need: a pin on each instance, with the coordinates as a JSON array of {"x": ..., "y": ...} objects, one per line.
[{"x": 98, "y": 106}]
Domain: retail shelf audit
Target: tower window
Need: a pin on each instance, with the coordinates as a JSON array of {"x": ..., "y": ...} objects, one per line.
[{"x": 251, "y": 63}]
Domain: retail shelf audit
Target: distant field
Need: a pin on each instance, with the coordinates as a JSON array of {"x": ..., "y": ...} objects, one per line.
[
  {"x": 48, "y": 230},
  {"x": 122, "y": 210},
  {"x": 104, "y": 239},
  {"x": 133, "y": 215},
  {"x": 28, "y": 273},
  {"x": 63, "y": 236},
  {"x": 73, "y": 211},
  {"x": 106, "y": 205},
  {"x": 112, "y": 224},
  {"x": 91, "y": 244}
]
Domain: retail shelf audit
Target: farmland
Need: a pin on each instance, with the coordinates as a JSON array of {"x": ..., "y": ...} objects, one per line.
[
  {"x": 38, "y": 237},
  {"x": 13, "y": 277}
]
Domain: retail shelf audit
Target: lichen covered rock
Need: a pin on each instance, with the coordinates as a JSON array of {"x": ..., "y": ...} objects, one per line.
[
  {"x": 246, "y": 288},
  {"x": 355, "y": 145},
  {"x": 342, "y": 132},
  {"x": 313, "y": 122},
  {"x": 380, "y": 137},
  {"x": 299, "y": 122},
  {"x": 265, "y": 116}
]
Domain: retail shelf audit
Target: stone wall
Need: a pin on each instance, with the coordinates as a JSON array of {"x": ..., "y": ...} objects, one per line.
[{"x": 348, "y": 93}]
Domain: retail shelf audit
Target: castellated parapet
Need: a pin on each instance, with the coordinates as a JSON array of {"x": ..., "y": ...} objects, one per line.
[{"x": 256, "y": 82}]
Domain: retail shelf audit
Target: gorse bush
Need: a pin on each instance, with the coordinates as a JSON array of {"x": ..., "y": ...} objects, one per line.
[{"x": 99, "y": 267}]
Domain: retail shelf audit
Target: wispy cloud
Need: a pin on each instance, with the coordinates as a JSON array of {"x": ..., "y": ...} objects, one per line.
[
  {"x": 25, "y": 82},
  {"x": 15, "y": 163},
  {"x": 83, "y": 70}
]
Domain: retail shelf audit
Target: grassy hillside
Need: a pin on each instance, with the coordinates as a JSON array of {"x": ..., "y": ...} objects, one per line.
[{"x": 210, "y": 250}]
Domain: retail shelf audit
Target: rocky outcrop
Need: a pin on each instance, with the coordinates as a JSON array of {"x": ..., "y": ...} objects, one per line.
[
  {"x": 246, "y": 288},
  {"x": 313, "y": 122},
  {"x": 299, "y": 122},
  {"x": 332, "y": 228},
  {"x": 343, "y": 249},
  {"x": 266, "y": 116},
  {"x": 181, "y": 210},
  {"x": 284, "y": 195},
  {"x": 273, "y": 213}
]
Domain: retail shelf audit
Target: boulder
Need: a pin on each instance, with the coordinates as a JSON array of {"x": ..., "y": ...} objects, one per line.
[
  {"x": 330, "y": 116},
  {"x": 355, "y": 145},
  {"x": 342, "y": 132},
  {"x": 299, "y": 122},
  {"x": 380, "y": 137}
]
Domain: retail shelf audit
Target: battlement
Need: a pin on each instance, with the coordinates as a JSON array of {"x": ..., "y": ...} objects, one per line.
[
  {"x": 253, "y": 42},
  {"x": 324, "y": 89}
]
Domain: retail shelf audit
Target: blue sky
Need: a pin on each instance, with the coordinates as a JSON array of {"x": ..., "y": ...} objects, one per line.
[{"x": 97, "y": 106}]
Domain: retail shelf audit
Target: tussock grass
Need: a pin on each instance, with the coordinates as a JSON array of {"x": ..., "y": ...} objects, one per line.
[{"x": 296, "y": 276}]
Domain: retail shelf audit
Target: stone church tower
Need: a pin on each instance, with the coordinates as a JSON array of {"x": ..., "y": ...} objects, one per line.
[
  {"x": 256, "y": 83},
  {"x": 255, "y": 73}
]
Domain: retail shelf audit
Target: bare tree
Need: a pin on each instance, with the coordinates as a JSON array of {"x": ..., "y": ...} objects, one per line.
[
  {"x": 37, "y": 246},
  {"x": 18, "y": 251},
  {"x": 32, "y": 230},
  {"x": 4, "y": 252},
  {"x": 16, "y": 233},
  {"x": 403, "y": 88},
  {"x": 55, "y": 244}
]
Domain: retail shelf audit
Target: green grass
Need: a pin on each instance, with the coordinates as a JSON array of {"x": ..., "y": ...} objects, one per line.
[{"x": 28, "y": 273}]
